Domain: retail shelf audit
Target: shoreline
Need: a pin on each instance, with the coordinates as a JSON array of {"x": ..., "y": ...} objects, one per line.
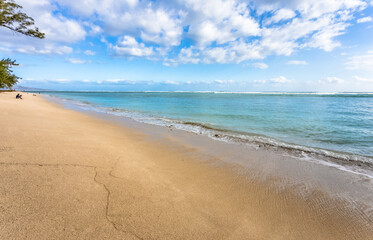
[
  {"x": 278, "y": 164},
  {"x": 345, "y": 161},
  {"x": 129, "y": 180}
]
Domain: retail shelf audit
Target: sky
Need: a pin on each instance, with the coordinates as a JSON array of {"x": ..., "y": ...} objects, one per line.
[{"x": 195, "y": 45}]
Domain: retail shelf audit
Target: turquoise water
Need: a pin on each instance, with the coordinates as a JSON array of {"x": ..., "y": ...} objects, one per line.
[{"x": 341, "y": 123}]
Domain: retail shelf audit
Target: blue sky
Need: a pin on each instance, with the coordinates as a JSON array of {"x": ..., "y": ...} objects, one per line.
[{"x": 192, "y": 45}]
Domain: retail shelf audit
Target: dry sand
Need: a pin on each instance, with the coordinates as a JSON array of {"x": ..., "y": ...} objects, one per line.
[{"x": 65, "y": 175}]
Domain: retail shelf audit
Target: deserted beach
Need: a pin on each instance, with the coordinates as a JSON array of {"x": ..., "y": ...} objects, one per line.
[
  {"x": 187, "y": 119},
  {"x": 67, "y": 175}
]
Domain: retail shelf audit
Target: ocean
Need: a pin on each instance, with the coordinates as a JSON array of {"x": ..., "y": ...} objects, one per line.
[{"x": 335, "y": 126}]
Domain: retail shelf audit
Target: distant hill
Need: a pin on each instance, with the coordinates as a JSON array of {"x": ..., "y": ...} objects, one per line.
[{"x": 28, "y": 89}]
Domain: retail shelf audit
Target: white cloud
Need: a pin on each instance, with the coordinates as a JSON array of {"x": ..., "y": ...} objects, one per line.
[
  {"x": 59, "y": 31},
  {"x": 364, "y": 61},
  {"x": 331, "y": 80},
  {"x": 55, "y": 26},
  {"x": 219, "y": 21},
  {"x": 153, "y": 22},
  {"x": 185, "y": 56},
  {"x": 60, "y": 80},
  {"x": 160, "y": 27},
  {"x": 89, "y": 53},
  {"x": 236, "y": 51},
  {"x": 94, "y": 29},
  {"x": 223, "y": 81},
  {"x": 364, "y": 20},
  {"x": 297, "y": 62},
  {"x": 170, "y": 82},
  {"x": 310, "y": 9},
  {"x": 280, "y": 79},
  {"x": 46, "y": 49},
  {"x": 281, "y": 40},
  {"x": 120, "y": 80},
  {"x": 260, "y": 81},
  {"x": 115, "y": 80},
  {"x": 128, "y": 46},
  {"x": 218, "y": 54},
  {"x": 208, "y": 32},
  {"x": 11, "y": 42},
  {"x": 323, "y": 40},
  {"x": 277, "y": 80},
  {"x": 281, "y": 14},
  {"x": 216, "y": 31},
  {"x": 364, "y": 80},
  {"x": 77, "y": 61},
  {"x": 260, "y": 65}
]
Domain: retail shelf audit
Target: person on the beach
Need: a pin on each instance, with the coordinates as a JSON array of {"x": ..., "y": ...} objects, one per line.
[{"x": 19, "y": 96}]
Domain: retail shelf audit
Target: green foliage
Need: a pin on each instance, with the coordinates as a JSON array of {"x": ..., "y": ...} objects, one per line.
[
  {"x": 12, "y": 18},
  {"x": 7, "y": 79}
]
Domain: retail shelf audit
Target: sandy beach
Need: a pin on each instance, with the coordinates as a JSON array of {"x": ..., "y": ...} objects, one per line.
[{"x": 67, "y": 175}]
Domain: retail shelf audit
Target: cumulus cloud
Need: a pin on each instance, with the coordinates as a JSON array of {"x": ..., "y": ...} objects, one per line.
[
  {"x": 331, "y": 80},
  {"x": 185, "y": 56},
  {"x": 59, "y": 30},
  {"x": 94, "y": 29},
  {"x": 300, "y": 32},
  {"x": 297, "y": 62},
  {"x": 310, "y": 9},
  {"x": 128, "y": 46},
  {"x": 153, "y": 22},
  {"x": 55, "y": 26},
  {"x": 364, "y": 20},
  {"x": 219, "y": 21},
  {"x": 191, "y": 31},
  {"x": 315, "y": 26}
]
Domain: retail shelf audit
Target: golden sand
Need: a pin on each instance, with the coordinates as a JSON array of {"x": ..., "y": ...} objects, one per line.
[{"x": 65, "y": 175}]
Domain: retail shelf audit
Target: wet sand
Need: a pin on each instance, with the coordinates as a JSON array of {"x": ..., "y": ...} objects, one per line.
[{"x": 67, "y": 175}]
